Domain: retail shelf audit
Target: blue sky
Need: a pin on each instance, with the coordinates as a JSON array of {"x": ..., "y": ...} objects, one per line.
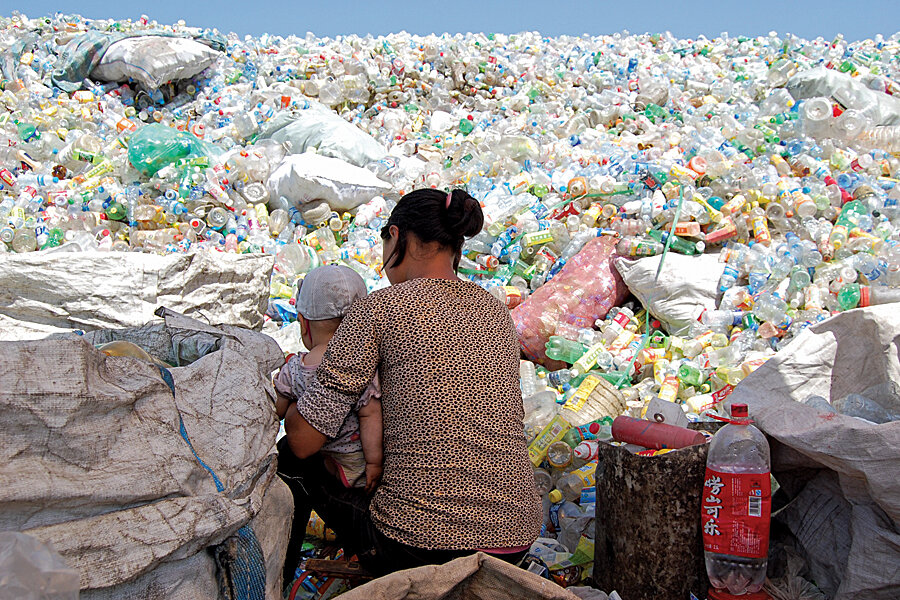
[{"x": 684, "y": 18}]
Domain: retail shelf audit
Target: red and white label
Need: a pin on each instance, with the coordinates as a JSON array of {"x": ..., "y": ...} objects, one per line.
[
  {"x": 723, "y": 393},
  {"x": 621, "y": 318},
  {"x": 735, "y": 513},
  {"x": 7, "y": 177}
]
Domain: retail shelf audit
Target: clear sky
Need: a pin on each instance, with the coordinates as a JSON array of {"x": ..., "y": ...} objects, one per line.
[{"x": 684, "y": 18}]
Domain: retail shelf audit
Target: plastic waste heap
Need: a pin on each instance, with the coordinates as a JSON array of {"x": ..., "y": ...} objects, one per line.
[{"x": 774, "y": 153}]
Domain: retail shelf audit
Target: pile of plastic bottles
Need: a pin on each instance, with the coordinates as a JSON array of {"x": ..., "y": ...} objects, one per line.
[{"x": 774, "y": 152}]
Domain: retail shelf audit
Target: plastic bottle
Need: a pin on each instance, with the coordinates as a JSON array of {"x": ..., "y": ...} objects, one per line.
[
  {"x": 559, "y": 348},
  {"x": 861, "y": 407},
  {"x": 588, "y": 431},
  {"x": 539, "y": 410},
  {"x": 597, "y": 353},
  {"x": 617, "y": 325},
  {"x": 736, "y": 507},
  {"x": 509, "y": 295},
  {"x": 559, "y": 378},
  {"x": 527, "y": 378},
  {"x": 25, "y": 240},
  {"x": 587, "y": 450},
  {"x": 573, "y": 520},
  {"x": 852, "y": 295},
  {"x": 570, "y": 486},
  {"x": 559, "y": 456},
  {"x": 543, "y": 483},
  {"x": 553, "y": 432}
]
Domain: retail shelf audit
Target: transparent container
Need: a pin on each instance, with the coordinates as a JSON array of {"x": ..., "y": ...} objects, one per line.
[{"x": 737, "y": 449}]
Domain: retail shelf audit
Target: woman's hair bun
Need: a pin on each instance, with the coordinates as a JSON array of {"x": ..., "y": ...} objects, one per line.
[{"x": 464, "y": 215}]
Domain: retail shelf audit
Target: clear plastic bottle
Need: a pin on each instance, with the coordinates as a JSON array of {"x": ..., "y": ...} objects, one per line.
[
  {"x": 559, "y": 457},
  {"x": 617, "y": 324},
  {"x": 571, "y": 485},
  {"x": 527, "y": 378},
  {"x": 862, "y": 407},
  {"x": 573, "y": 521},
  {"x": 736, "y": 507},
  {"x": 543, "y": 483}
]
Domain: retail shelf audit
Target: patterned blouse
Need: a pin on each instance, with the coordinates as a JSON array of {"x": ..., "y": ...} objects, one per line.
[{"x": 456, "y": 469}]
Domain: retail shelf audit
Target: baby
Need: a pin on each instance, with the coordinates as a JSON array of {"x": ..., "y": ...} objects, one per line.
[{"x": 354, "y": 456}]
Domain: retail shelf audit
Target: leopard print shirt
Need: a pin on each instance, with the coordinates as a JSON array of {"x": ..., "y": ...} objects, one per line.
[{"x": 456, "y": 469}]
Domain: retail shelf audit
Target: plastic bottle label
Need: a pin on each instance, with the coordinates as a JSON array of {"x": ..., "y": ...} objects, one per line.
[
  {"x": 553, "y": 432},
  {"x": 587, "y": 474},
  {"x": 579, "y": 398},
  {"x": 622, "y": 318},
  {"x": 735, "y": 513},
  {"x": 589, "y": 358},
  {"x": 588, "y": 496},
  {"x": 720, "y": 395},
  {"x": 7, "y": 177}
]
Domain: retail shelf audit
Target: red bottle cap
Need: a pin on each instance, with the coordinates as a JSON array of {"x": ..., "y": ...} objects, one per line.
[
  {"x": 864, "y": 298},
  {"x": 739, "y": 411}
]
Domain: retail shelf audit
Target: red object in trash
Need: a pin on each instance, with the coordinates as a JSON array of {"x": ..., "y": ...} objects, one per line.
[{"x": 654, "y": 435}]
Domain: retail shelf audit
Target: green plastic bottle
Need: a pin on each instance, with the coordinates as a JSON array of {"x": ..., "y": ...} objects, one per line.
[
  {"x": 27, "y": 131},
  {"x": 853, "y": 295},
  {"x": 559, "y": 348},
  {"x": 848, "y": 297},
  {"x": 115, "y": 212},
  {"x": 588, "y": 431},
  {"x": 680, "y": 245},
  {"x": 55, "y": 237},
  {"x": 691, "y": 374},
  {"x": 850, "y": 214}
]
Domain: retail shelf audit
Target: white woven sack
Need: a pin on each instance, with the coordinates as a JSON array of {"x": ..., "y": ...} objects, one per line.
[
  {"x": 302, "y": 178},
  {"x": 154, "y": 60}
]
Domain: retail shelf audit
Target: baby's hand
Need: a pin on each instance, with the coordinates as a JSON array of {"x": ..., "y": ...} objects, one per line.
[{"x": 373, "y": 476}]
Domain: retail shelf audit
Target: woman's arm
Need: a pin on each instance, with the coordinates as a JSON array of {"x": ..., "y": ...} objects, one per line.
[{"x": 304, "y": 439}]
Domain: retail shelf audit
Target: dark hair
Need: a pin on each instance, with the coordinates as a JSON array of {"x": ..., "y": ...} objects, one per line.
[{"x": 425, "y": 213}]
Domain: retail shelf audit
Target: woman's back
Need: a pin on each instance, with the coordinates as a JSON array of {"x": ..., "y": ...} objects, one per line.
[{"x": 456, "y": 472}]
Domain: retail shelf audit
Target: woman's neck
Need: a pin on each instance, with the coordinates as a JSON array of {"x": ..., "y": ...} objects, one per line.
[
  {"x": 432, "y": 265},
  {"x": 431, "y": 270}
]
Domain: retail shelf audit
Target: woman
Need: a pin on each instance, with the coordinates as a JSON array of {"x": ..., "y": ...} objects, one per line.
[{"x": 456, "y": 477}]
